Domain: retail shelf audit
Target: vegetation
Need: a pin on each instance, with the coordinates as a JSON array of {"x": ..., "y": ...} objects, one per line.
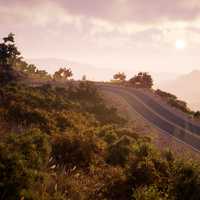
[
  {"x": 142, "y": 80},
  {"x": 62, "y": 74},
  {"x": 64, "y": 143},
  {"x": 13, "y": 67},
  {"x": 120, "y": 77},
  {"x": 197, "y": 114},
  {"x": 8, "y": 56},
  {"x": 173, "y": 101}
]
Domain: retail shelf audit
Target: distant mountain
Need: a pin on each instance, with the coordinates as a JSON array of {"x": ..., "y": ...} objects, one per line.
[
  {"x": 92, "y": 72},
  {"x": 186, "y": 87},
  {"x": 79, "y": 69}
]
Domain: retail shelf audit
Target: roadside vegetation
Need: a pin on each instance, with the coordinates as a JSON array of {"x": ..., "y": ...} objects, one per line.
[
  {"x": 173, "y": 101},
  {"x": 145, "y": 81},
  {"x": 141, "y": 80},
  {"x": 62, "y": 143}
]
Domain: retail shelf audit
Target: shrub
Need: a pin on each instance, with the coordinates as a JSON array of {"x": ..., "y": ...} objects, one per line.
[
  {"x": 70, "y": 150},
  {"x": 186, "y": 182},
  {"x": 118, "y": 153},
  {"x": 142, "y": 172},
  {"x": 173, "y": 101},
  {"x": 197, "y": 114},
  {"x": 148, "y": 193},
  {"x": 22, "y": 160},
  {"x": 142, "y": 150},
  {"x": 108, "y": 134}
]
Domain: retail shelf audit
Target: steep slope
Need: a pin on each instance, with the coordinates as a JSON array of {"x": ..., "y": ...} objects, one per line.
[
  {"x": 160, "y": 139},
  {"x": 159, "y": 115}
]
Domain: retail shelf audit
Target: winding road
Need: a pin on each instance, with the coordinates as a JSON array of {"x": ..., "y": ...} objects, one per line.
[{"x": 159, "y": 115}]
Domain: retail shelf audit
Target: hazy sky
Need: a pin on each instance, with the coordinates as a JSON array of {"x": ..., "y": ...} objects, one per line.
[{"x": 131, "y": 34}]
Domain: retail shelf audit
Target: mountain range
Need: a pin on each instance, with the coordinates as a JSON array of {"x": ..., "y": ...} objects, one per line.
[{"x": 92, "y": 72}]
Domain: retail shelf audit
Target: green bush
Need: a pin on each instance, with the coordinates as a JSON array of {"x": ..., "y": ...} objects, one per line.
[
  {"x": 72, "y": 150},
  {"x": 23, "y": 159},
  {"x": 107, "y": 133},
  {"x": 186, "y": 182},
  {"x": 67, "y": 144},
  {"x": 149, "y": 193},
  {"x": 118, "y": 153}
]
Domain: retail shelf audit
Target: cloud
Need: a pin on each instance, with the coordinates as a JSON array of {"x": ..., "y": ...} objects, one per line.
[
  {"x": 118, "y": 11},
  {"x": 35, "y": 14},
  {"x": 134, "y": 10},
  {"x": 90, "y": 28},
  {"x": 101, "y": 16}
]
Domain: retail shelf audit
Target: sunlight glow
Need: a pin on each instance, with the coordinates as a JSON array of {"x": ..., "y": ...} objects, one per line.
[{"x": 180, "y": 44}]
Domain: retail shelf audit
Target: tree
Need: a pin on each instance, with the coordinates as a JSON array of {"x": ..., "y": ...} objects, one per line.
[
  {"x": 9, "y": 55},
  {"x": 63, "y": 74},
  {"x": 8, "y": 51},
  {"x": 197, "y": 114},
  {"x": 31, "y": 69},
  {"x": 143, "y": 80},
  {"x": 84, "y": 78},
  {"x": 120, "y": 76}
]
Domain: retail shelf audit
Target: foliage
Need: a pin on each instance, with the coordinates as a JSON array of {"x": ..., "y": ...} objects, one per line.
[
  {"x": 165, "y": 94},
  {"x": 23, "y": 159},
  {"x": 8, "y": 56},
  {"x": 173, "y": 101},
  {"x": 197, "y": 114},
  {"x": 142, "y": 80},
  {"x": 8, "y": 51},
  {"x": 65, "y": 143},
  {"x": 148, "y": 193},
  {"x": 119, "y": 76},
  {"x": 118, "y": 153},
  {"x": 12, "y": 67},
  {"x": 73, "y": 150},
  {"x": 62, "y": 74},
  {"x": 74, "y": 153},
  {"x": 186, "y": 183}
]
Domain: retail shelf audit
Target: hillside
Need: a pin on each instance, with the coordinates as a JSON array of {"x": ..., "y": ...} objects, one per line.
[
  {"x": 63, "y": 143},
  {"x": 185, "y": 87},
  {"x": 60, "y": 140},
  {"x": 168, "y": 120}
]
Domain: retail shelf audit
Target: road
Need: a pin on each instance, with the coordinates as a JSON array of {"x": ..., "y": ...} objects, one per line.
[{"x": 158, "y": 115}]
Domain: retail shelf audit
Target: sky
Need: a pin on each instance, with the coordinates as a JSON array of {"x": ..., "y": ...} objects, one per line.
[{"x": 146, "y": 35}]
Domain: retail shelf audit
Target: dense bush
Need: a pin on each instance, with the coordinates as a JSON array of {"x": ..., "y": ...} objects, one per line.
[
  {"x": 186, "y": 182},
  {"x": 142, "y": 80},
  {"x": 149, "y": 193},
  {"x": 62, "y": 143},
  {"x": 23, "y": 161},
  {"x": 73, "y": 150},
  {"x": 65, "y": 143},
  {"x": 118, "y": 153}
]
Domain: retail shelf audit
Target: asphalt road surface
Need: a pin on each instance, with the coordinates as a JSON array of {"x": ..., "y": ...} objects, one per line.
[{"x": 158, "y": 115}]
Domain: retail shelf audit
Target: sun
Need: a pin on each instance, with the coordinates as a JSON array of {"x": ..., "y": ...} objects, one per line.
[{"x": 180, "y": 44}]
